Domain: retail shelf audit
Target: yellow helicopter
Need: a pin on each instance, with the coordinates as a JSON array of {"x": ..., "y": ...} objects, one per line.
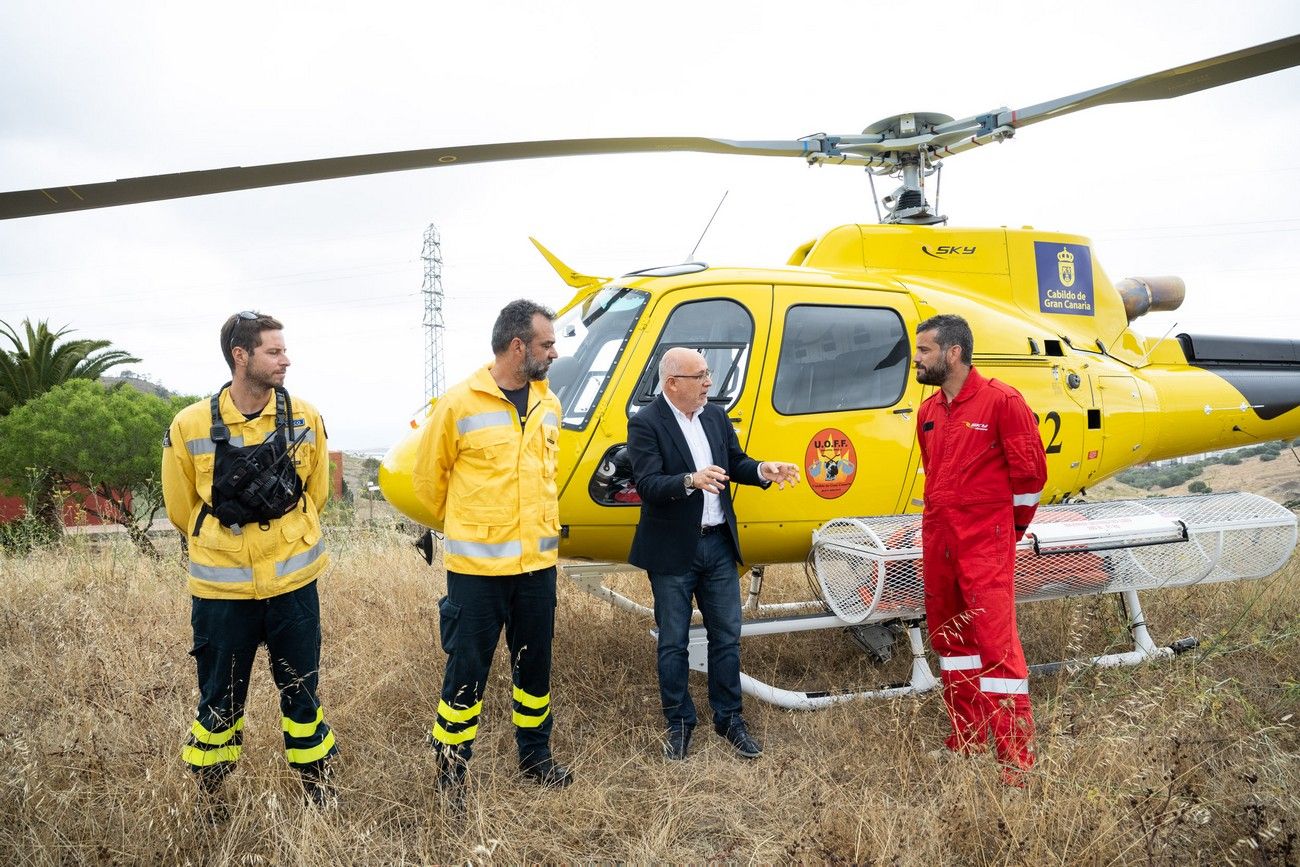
[{"x": 812, "y": 360}]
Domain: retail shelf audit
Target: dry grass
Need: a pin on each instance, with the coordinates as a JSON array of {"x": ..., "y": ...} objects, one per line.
[{"x": 1189, "y": 761}]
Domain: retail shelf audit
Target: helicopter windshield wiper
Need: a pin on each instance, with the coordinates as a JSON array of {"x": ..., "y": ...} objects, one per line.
[{"x": 604, "y": 308}]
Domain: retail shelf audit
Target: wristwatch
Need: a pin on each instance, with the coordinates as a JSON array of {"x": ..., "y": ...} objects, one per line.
[{"x": 687, "y": 479}]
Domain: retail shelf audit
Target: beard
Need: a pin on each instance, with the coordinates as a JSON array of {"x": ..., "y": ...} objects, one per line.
[
  {"x": 265, "y": 379},
  {"x": 536, "y": 370},
  {"x": 935, "y": 374}
]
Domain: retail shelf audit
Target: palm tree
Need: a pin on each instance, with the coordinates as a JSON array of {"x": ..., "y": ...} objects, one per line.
[
  {"x": 43, "y": 362},
  {"x": 30, "y": 370}
]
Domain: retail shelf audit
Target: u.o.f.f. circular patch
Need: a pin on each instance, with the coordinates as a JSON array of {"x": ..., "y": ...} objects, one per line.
[{"x": 831, "y": 463}]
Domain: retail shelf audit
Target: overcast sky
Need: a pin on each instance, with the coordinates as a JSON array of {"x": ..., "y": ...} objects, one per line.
[{"x": 1207, "y": 186}]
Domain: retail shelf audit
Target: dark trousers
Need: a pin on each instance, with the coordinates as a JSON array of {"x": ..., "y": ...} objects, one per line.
[
  {"x": 227, "y": 633},
  {"x": 472, "y": 614},
  {"x": 714, "y": 583}
]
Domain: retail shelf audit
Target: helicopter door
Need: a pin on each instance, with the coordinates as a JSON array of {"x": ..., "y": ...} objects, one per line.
[{"x": 837, "y": 399}]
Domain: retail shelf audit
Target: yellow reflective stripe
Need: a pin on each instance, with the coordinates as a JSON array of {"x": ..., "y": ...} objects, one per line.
[
  {"x": 531, "y": 700},
  {"x": 302, "y": 730},
  {"x": 206, "y": 758},
  {"x": 442, "y": 736},
  {"x": 308, "y": 755},
  {"x": 215, "y": 739},
  {"x": 457, "y": 715},
  {"x": 530, "y": 722}
]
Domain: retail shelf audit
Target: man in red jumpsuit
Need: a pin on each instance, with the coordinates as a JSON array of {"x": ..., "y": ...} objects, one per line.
[{"x": 984, "y": 473}]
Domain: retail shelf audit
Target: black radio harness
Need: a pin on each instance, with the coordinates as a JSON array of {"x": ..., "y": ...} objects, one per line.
[{"x": 254, "y": 484}]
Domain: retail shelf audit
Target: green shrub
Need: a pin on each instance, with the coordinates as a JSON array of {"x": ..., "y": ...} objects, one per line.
[
  {"x": 1198, "y": 487},
  {"x": 23, "y": 535}
]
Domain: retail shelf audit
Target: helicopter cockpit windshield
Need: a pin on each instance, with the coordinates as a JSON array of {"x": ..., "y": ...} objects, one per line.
[{"x": 590, "y": 338}]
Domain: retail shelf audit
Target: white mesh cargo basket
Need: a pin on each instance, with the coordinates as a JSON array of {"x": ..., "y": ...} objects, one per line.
[{"x": 869, "y": 569}]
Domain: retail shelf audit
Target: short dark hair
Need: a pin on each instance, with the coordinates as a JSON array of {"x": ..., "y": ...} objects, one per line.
[
  {"x": 245, "y": 329},
  {"x": 516, "y": 320},
  {"x": 951, "y": 330}
]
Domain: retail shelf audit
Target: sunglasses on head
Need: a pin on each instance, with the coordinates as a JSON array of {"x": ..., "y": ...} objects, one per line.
[{"x": 247, "y": 316}]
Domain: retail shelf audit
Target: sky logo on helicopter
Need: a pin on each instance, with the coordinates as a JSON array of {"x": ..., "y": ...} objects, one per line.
[
  {"x": 1064, "y": 278},
  {"x": 943, "y": 251}
]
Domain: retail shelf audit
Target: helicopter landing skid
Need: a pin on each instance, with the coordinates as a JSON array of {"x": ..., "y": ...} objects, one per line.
[{"x": 589, "y": 577}]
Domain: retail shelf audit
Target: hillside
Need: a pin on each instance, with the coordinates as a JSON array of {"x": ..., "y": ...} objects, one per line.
[
  {"x": 1279, "y": 480},
  {"x": 138, "y": 383}
]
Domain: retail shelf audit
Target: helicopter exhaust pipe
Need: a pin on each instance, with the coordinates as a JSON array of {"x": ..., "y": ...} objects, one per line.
[{"x": 1142, "y": 295}]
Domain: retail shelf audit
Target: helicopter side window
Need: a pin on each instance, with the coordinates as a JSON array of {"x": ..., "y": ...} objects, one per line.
[
  {"x": 722, "y": 331},
  {"x": 590, "y": 339},
  {"x": 840, "y": 358}
]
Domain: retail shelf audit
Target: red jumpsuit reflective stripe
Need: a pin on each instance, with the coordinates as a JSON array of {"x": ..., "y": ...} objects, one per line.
[{"x": 984, "y": 472}]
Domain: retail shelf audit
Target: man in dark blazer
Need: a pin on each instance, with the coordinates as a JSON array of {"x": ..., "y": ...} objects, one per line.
[{"x": 684, "y": 454}]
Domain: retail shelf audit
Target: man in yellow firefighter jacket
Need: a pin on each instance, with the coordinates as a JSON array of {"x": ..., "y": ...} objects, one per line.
[
  {"x": 245, "y": 474},
  {"x": 486, "y": 469}
]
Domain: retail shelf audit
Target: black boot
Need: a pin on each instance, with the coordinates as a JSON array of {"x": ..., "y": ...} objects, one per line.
[
  {"x": 451, "y": 778},
  {"x": 212, "y": 808},
  {"x": 317, "y": 785},
  {"x": 546, "y": 773}
]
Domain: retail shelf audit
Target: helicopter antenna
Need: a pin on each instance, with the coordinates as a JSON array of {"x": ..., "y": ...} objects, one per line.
[
  {"x": 691, "y": 255},
  {"x": 1157, "y": 343}
]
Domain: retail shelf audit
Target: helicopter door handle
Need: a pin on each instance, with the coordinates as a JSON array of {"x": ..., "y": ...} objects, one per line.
[{"x": 903, "y": 411}]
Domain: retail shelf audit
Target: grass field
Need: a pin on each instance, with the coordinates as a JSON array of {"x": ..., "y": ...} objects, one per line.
[{"x": 1196, "y": 760}]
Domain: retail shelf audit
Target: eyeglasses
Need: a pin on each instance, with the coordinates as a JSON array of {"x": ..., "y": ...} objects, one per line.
[
  {"x": 249, "y": 314},
  {"x": 697, "y": 376}
]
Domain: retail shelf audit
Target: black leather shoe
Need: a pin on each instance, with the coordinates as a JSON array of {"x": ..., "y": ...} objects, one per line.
[
  {"x": 738, "y": 736},
  {"x": 545, "y": 772},
  {"x": 677, "y": 740}
]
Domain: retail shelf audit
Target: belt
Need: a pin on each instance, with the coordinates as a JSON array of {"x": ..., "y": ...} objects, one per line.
[{"x": 711, "y": 529}]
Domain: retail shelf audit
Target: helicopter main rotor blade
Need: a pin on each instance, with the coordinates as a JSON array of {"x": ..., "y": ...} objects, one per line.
[
  {"x": 130, "y": 191},
  {"x": 1179, "y": 81}
]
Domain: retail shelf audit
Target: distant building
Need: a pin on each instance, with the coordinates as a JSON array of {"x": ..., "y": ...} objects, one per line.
[{"x": 75, "y": 514}]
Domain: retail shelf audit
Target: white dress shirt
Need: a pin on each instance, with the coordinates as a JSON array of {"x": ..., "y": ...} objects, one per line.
[{"x": 698, "y": 442}]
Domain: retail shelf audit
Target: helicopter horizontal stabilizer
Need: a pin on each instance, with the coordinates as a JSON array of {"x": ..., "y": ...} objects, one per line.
[{"x": 567, "y": 274}]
